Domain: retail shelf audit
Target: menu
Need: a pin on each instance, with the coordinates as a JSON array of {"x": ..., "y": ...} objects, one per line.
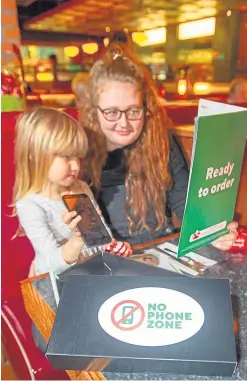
[{"x": 218, "y": 147}]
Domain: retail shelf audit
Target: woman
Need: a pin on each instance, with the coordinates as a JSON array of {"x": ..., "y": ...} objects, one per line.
[{"x": 137, "y": 170}]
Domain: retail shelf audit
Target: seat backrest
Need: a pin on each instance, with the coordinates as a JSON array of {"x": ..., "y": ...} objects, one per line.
[
  {"x": 17, "y": 254},
  {"x": 185, "y": 114}
]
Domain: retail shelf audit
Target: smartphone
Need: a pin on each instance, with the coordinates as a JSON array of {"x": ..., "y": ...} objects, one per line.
[{"x": 93, "y": 229}]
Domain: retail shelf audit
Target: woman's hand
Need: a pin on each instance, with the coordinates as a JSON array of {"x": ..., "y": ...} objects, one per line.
[
  {"x": 122, "y": 249},
  {"x": 226, "y": 241}
]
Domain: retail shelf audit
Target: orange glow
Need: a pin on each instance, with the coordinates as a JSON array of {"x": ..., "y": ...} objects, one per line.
[
  {"x": 182, "y": 86},
  {"x": 45, "y": 77},
  {"x": 201, "y": 88}
]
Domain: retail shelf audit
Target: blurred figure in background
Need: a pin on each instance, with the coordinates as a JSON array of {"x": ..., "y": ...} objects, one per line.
[
  {"x": 53, "y": 61},
  {"x": 170, "y": 75},
  {"x": 238, "y": 91},
  {"x": 78, "y": 86}
]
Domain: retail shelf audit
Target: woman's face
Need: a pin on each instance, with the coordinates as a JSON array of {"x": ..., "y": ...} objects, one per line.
[{"x": 115, "y": 97}]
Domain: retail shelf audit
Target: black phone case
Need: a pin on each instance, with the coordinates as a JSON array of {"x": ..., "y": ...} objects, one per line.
[{"x": 84, "y": 195}]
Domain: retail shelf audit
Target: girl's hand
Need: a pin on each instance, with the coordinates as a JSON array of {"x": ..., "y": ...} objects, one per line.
[
  {"x": 122, "y": 249},
  {"x": 226, "y": 241},
  {"x": 72, "y": 249},
  {"x": 72, "y": 219}
]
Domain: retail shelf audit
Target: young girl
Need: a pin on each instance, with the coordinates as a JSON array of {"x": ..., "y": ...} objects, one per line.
[{"x": 49, "y": 146}]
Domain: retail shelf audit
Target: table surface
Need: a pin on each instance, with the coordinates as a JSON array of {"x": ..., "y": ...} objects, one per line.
[{"x": 226, "y": 268}]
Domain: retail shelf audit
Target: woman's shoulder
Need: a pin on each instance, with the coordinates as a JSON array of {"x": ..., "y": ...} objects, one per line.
[{"x": 177, "y": 158}]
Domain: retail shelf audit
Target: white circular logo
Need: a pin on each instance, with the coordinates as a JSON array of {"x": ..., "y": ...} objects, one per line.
[{"x": 151, "y": 316}]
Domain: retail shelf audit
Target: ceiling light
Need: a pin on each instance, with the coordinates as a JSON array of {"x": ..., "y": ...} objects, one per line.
[
  {"x": 126, "y": 30},
  {"x": 106, "y": 42},
  {"x": 196, "y": 29},
  {"x": 139, "y": 38},
  {"x": 107, "y": 29},
  {"x": 71, "y": 51},
  {"x": 150, "y": 37},
  {"x": 90, "y": 48},
  {"x": 228, "y": 13}
]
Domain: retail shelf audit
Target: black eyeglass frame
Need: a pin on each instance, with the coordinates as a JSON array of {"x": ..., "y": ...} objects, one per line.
[{"x": 121, "y": 113}]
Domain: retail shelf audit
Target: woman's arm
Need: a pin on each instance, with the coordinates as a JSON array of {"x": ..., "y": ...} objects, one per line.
[{"x": 176, "y": 196}]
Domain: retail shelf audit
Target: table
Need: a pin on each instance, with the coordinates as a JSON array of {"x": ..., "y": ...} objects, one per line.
[{"x": 41, "y": 306}]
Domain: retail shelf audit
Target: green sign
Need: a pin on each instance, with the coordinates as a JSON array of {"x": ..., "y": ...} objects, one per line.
[
  {"x": 12, "y": 103},
  {"x": 218, "y": 148}
]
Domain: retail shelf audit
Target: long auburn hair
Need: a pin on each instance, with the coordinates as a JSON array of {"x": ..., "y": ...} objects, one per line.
[
  {"x": 42, "y": 134},
  {"x": 147, "y": 175}
]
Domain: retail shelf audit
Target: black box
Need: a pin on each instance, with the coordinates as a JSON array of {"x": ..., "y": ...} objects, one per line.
[
  {"x": 108, "y": 264},
  {"x": 184, "y": 306}
]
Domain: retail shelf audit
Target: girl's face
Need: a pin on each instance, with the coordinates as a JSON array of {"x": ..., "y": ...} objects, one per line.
[
  {"x": 64, "y": 171},
  {"x": 120, "y": 128},
  {"x": 149, "y": 260}
]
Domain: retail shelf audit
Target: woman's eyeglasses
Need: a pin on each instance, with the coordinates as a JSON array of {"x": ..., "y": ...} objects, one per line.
[{"x": 112, "y": 115}]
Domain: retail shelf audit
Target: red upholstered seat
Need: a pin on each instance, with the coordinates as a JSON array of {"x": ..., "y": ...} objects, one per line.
[{"x": 28, "y": 362}]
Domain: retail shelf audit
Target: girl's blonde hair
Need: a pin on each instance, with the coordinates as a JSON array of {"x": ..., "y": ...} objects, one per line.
[
  {"x": 42, "y": 134},
  {"x": 147, "y": 176}
]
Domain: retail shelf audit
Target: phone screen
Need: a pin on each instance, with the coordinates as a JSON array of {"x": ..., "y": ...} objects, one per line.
[{"x": 91, "y": 226}]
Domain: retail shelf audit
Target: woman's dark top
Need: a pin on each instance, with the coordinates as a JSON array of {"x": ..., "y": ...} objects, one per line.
[{"x": 112, "y": 197}]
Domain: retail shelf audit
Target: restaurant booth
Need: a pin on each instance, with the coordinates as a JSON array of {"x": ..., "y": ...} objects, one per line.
[{"x": 27, "y": 361}]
